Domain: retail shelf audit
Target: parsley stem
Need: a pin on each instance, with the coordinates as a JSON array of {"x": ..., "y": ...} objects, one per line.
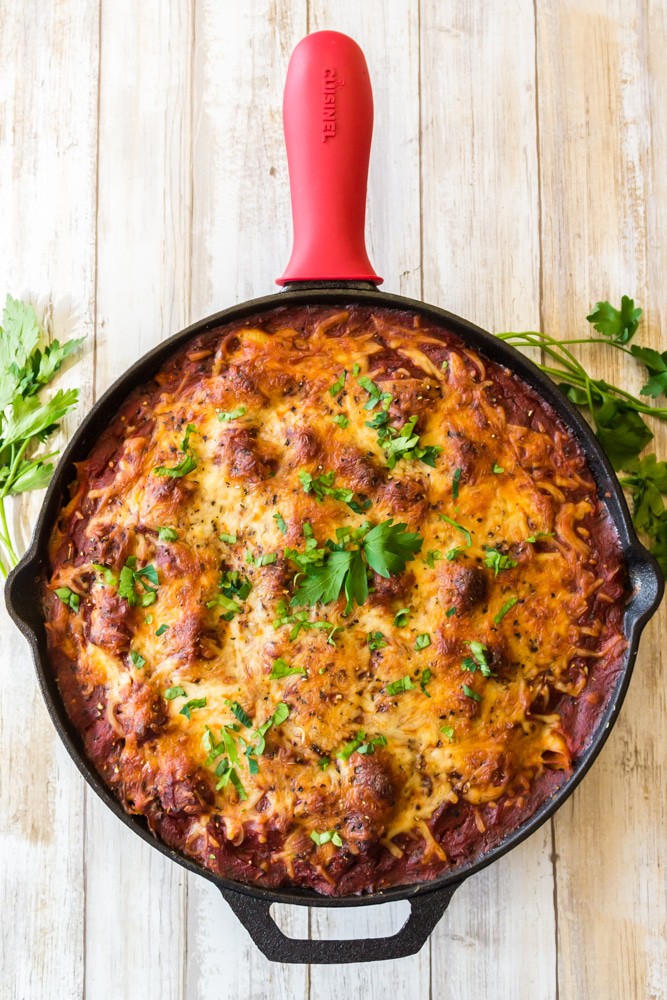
[{"x": 4, "y": 537}]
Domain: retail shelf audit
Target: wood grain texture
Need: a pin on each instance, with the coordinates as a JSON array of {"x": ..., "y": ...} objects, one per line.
[
  {"x": 518, "y": 173},
  {"x": 48, "y": 133},
  {"x": 602, "y": 96},
  {"x": 143, "y": 291}
]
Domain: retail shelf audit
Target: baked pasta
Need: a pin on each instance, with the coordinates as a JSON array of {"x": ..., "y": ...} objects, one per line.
[{"x": 334, "y": 602}]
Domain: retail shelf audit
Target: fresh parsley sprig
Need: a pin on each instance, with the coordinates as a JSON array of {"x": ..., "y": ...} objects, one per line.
[
  {"x": 343, "y": 566},
  {"x": 617, "y": 414},
  {"x": 27, "y": 420}
]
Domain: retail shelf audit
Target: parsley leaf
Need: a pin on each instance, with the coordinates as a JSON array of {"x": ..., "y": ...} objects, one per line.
[
  {"x": 448, "y": 731},
  {"x": 398, "y": 687},
  {"x": 187, "y": 464},
  {"x": 618, "y": 324},
  {"x": 341, "y": 420},
  {"x": 232, "y": 414},
  {"x": 322, "y": 486},
  {"x": 192, "y": 704},
  {"x": 68, "y": 597},
  {"x": 497, "y": 561},
  {"x": 131, "y": 579},
  {"x": 338, "y": 384},
  {"x": 138, "y": 660},
  {"x": 469, "y": 693},
  {"x": 376, "y": 640},
  {"x": 175, "y": 692},
  {"x": 327, "y": 837},
  {"x": 423, "y": 641},
  {"x": 388, "y": 547},
  {"x": 479, "y": 651},
  {"x": 401, "y": 617},
  {"x": 282, "y": 669},
  {"x": 656, "y": 365},
  {"x": 424, "y": 680},
  {"x": 281, "y": 522},
  {"x": 459, "y": 527},
  {"x": 167, "y": 534},
  {"x": 456, "y": 480},
  {"x": 507, "y": 606}
]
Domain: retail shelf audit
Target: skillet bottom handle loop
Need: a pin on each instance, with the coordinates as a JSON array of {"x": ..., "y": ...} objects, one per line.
[{"x": 255, "y": 915}]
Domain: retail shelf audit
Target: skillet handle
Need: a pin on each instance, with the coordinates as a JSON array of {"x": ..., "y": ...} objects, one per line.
[
  {"x": 328, "y": 120},
  {"x": 254, "y": 914}
]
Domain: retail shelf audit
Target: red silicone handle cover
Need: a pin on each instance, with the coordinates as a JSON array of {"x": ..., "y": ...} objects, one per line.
[{"x": 328, "y": 119}]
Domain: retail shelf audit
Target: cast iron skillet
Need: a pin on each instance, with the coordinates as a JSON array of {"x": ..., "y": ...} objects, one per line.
[{"x": 328, "y": 124}]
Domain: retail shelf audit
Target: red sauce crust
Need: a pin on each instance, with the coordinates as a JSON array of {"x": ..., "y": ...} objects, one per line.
[{"x": 170, "y": 787}]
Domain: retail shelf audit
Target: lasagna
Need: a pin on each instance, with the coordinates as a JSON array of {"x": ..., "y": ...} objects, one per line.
[{"x": 334, "y": 602}]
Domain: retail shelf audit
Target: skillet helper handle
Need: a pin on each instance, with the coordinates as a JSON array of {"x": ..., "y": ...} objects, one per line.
[
  {"x": 328, "y": 121},
  {"x": 254, "y": 914}
]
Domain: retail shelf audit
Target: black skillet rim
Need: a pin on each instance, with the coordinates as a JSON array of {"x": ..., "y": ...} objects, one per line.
[{"x": 645, "y": 577}]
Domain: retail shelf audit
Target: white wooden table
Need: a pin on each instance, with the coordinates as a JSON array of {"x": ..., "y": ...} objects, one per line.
[{"x": 519, "y": 173}]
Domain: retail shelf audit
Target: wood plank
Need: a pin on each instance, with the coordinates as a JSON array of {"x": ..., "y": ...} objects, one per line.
[
  {"x": 135, "y": 898},
  {"x": 389, "y": 37},
  {"x": 603, "y": 152},
  {"x": 481, "y": 260},
  {"x": 241, "y": 241},
  {"x": 48, "y": 54}
]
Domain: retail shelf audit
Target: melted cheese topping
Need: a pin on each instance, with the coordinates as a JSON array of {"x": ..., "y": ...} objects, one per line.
[{"x": 456, "y": 734}]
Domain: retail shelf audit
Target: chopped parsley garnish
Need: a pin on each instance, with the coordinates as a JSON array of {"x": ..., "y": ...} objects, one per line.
[
  {"x": 376, "y": 640},
  {"x": 240, "y": 713},
  {"x": 432, "y": 557},
  {"x": 300, "y": 621},
  {"x": 167, "y": 534},
  {"x": 497, "y": 469},
  {"x": 539, "y": 535},
  {"x": 324, "y": 763},
  {"x": 138, "y": 660},
  {"x": 404, "y": 443},
  {"x": 448, "y": 731},
  {"x": 267, "y": 559},
  {"x": 187, "y": 464},
  {"x": 450, "y": 612},
  {"x": 175, "y": 692},
  {"x": 68, "y": 597},
  {"x": 338, "y": 384},
  {"x": 281, "y": 522},
  {"x": 234, "y": 587},
  {"x": 358, "y": 745},
  {"x": 109, "y": 578},
  {"x": 131, "y": 579},
  {"x": 161, "y": 630},
  {"x": 356, "y": 368},
  {"x": 507, "y": 606},
  {"x": 422, "y": 641},
  {"x": 193, "y": 703},
  {"x": 282, "y": 669},
  {"x": 479, "y": 651},
  {"x": 424, "y": 680},
  {"x": 401, "y": 617},
  {"x": 469, "y": 693},
  {"x": 328, "y": 837},
  {"x": 225, "y": 536},
  {"x": 497, "y": 561},
  {"x": 398, "y": 687},
  {"x": 232, "y": 414},
  {"x": 454, "y": 553},
  {"x": 341, "y": 420},
  {"x": 459, "y": 527},
  {"x": 323, "y": 486},
  {"x": 375, "y": 393},
  {"x": 456, "y": 481},
  {"x": 386, "y": 549},
  {"x": 281, "y": 713}
]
